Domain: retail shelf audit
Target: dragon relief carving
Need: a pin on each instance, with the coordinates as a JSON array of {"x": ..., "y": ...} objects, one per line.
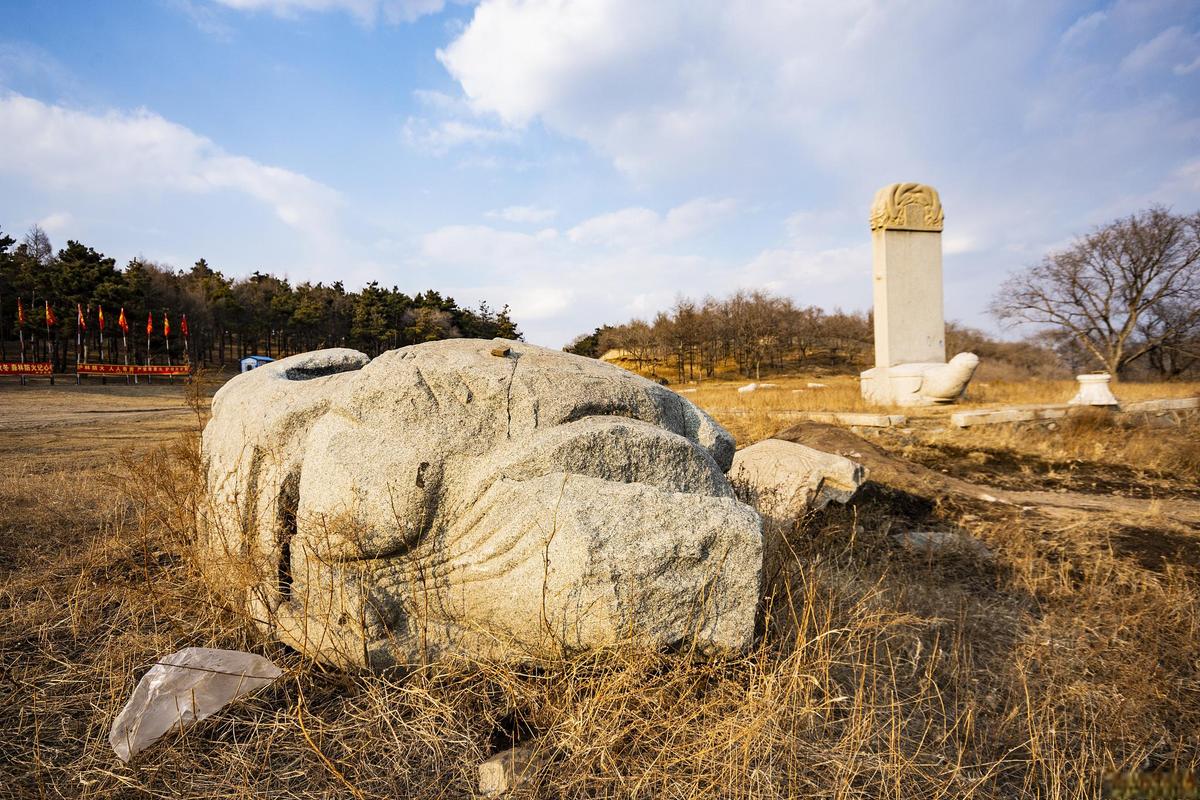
[{"x": 907, "y": 207}]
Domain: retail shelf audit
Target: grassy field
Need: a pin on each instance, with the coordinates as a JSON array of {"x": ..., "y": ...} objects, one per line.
[
  {"x": 1067, "y": 651},
  {"x": 756, "y": 415}
]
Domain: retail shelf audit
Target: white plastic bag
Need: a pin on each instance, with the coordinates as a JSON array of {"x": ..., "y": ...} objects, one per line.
[{"x": 183, "y": 688}]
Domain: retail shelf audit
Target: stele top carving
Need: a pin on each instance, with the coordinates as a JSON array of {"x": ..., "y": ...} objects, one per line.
[{"x": 907, "y": 207}]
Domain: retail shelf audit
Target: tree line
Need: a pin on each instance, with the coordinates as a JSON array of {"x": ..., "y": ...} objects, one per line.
[
  {"x": 1124, "y": 299},
  {"x": 757, "y": 331},
  {"x": 228, "y": 318}
]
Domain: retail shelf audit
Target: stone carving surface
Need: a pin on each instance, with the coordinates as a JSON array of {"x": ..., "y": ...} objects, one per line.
[
  {"x": 457, "y": 498},
  {"x": 907, "y": 207},
  {"x": 921, "y": 384}
]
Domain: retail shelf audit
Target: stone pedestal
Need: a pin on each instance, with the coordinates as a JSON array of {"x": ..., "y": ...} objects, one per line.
[
  {"x": 910, "y": 331},
  {"x": 1094, "y": 391}
]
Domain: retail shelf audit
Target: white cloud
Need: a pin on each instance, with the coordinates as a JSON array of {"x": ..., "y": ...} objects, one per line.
[
  {"x": 523, "y": 214},
  {"x": 117, "y": 153},
  {"x": 1083, "y": 29},
  {"x": 55, "y": 223},
  {"x": 701, "y": 93},
  {"x": 484, "y": 247},
  {"x": 642, "y": 227},
  {"x": 1033, "y": 124},
  {"x": 438, "y": 137},
  {"x": 616, "y": 265},
  {"x": 367, "y": 12},
  {"x": 797, "y": 272},
  {"x": 556, "y": 286},
  {"x": 1173, "y": 45}
]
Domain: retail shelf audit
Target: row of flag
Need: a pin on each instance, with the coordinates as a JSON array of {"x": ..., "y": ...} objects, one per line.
[{"x": 122, "y": 322}]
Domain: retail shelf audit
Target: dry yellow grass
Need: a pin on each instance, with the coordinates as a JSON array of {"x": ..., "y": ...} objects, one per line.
[
  {"x": 751, "y": 416},
  {"x": 880, "y": 672}
]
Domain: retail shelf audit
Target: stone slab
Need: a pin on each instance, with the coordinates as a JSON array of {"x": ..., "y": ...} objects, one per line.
[
  {"x": 853, "y": 419},
  {"x": 1000, "y": 416},
  {"x": 965, "y": 419},
  {"x": 1170, "y": 404}
]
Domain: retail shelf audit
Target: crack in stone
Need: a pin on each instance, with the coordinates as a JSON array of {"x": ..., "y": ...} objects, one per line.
[{"x": 516, "y": 359}]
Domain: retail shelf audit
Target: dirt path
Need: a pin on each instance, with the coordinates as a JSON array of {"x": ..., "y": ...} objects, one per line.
[
  {"x": 26, "y": 408},
  {"x": 1186, "y": 512},
  {"x": 908, "y": 476}
]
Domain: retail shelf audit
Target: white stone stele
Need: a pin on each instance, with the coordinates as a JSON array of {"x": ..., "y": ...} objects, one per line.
[
  {"x": 1094, "y": 391},
  {"x": 910, "y": 330}
]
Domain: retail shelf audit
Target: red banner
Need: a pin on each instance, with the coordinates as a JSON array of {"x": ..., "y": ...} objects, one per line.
[
  {"x": 31, "y": 368},
  {"x": 132, "y": 369}
]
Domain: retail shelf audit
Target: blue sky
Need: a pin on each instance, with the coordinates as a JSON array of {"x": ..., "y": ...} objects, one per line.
[{"x": 587, "y": 161}]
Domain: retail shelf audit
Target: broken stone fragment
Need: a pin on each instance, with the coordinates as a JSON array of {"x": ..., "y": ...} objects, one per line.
[
  {"x": 184, "y": 688},
  {"x": 785, "y": 480},
  {"x": 507, "y": 770},
  {"x": 942, "y": 541}
]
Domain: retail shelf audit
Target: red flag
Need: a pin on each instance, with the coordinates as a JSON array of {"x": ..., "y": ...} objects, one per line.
[
  {"x": 101, "y": 318},
  {"x": 20, "y": 313},
  {"x": 80, "y": 321},
  {"x": 50, "y": 318},
  {"x": 149, "y": 323},
  {"x": 183, "y": 326},
  {"x": 123, "y": 323},
  {"x": 166, "y": 326}
]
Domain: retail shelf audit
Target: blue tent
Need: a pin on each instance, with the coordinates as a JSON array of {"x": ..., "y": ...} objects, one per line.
[{"x": 250, "y": 362}]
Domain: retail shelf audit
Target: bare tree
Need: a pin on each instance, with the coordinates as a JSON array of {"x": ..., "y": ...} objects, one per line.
[
  {"x": 1099, "y": 290},
  {"x": 1176, "y": 330},
  {"x": 37, "y": 245}
]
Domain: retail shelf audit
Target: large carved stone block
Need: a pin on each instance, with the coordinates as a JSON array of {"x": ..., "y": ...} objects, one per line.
[
  {"x": 910, "y": 330},
  {"x": 473, "y": 497},
  {"x": 919, "y": 384}
]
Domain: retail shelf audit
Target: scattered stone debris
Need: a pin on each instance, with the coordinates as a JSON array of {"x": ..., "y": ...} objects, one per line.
[
  {"x": 184, "y": 688},
  {"x": 942, "y": 541},
  {"x": 786, "y": 480},
  {"x": 508, "y": 770}
]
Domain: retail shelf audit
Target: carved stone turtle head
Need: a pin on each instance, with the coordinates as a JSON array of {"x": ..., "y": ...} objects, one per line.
[{"x": 474, "y": 497}]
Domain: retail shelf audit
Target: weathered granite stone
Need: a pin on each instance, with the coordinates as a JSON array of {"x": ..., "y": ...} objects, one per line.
[
  {"x": 508, "y": 770},
  {"x": 786, "y": 480},
  {"x": 450, "y": 498}
]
